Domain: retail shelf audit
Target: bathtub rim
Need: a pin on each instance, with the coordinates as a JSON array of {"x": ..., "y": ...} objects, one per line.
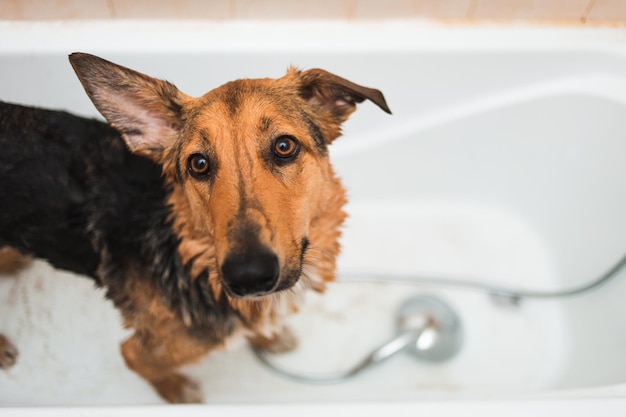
[
  {"x": 571, "y": 407},
  {"x": 153, "y": 36}
]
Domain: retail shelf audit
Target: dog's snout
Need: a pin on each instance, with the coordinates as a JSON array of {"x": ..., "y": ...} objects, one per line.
[{"x": 251, "y": 273}]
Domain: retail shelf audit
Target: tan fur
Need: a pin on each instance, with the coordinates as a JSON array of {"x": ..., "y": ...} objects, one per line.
[{"x": 314, "y": 210}]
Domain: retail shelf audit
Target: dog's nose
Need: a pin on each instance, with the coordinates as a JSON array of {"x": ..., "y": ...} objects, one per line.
[{"x": 252, "y": 273}]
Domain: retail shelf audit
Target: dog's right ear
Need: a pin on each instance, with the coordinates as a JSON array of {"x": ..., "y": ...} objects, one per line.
[{"x": 145, "y": 110}]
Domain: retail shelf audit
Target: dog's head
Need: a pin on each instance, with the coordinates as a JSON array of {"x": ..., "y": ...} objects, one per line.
[{"x": 254, "y": 196}]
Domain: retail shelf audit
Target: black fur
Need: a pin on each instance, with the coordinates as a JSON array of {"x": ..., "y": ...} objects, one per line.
[{"x": 73, "y": 194}]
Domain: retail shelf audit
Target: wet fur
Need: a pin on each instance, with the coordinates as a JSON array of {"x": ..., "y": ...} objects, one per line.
[{"x": 118, "y": 204}]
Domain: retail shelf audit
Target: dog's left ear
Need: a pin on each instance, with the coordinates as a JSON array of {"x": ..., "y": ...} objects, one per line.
[
  {"x": 145, "y": 110},
  {"x": 335, "y": 98}
]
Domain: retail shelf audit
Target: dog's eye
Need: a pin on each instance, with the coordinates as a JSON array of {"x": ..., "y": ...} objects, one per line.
[
  {"x": 198, "y": 165},
  {"x": 286, "y": 147}
]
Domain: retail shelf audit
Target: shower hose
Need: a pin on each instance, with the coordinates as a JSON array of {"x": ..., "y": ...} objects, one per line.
[{"x": 404, "y": 339}]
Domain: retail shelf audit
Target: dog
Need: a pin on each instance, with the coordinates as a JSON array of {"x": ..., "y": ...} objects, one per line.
[{"x": 204, "y": 219}]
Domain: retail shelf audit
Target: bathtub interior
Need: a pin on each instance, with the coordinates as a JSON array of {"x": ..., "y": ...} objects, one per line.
[{"x": 473, "y": 177}]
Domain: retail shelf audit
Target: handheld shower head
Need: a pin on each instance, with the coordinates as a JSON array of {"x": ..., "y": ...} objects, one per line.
[{"x": 441, "y": 334}]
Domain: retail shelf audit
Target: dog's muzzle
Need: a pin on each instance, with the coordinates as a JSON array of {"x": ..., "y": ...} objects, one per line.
[{"x": 251, "y": 273}]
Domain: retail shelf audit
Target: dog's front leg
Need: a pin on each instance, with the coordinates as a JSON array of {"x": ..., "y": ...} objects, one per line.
[{"x": 156, "y": 358}]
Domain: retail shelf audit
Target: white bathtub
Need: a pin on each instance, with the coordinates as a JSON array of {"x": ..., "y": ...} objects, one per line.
[{"x": 504, "y": 162}]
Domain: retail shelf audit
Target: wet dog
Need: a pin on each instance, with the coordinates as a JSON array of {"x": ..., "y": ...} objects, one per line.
[{"x": 203, "y": 218}]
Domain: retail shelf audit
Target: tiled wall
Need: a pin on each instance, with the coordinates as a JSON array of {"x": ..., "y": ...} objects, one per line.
[{"x": 573, "y": 12}]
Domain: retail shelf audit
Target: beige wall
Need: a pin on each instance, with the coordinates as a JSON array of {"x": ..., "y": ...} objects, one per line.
[{"x": 569, "y": 12}]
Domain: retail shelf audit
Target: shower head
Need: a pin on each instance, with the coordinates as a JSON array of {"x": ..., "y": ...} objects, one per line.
[{"x": 440, "y": 332}]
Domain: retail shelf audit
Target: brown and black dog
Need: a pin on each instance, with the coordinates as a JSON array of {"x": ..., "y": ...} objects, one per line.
[{"x": 204, "y": 218}]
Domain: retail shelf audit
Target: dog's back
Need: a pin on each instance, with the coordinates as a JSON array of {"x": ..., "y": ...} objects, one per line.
[{"x": 52, "y": 165}]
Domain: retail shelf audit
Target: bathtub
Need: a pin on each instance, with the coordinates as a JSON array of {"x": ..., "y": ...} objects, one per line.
[{"x": 504, "y": 163}]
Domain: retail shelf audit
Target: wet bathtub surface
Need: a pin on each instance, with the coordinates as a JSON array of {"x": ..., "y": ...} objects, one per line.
[{"x": 68, "y": 335}]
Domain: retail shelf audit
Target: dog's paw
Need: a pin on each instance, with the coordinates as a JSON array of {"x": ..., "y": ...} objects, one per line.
[
  {"x": 285, "y": 341},
  {"x": 8, "y": 353},
  {"x": 178, "y": 389},
  {"x": 12, "y": 261},
  {"x": 281, "y": 342},
  {"x": 191, "y": 393}
]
